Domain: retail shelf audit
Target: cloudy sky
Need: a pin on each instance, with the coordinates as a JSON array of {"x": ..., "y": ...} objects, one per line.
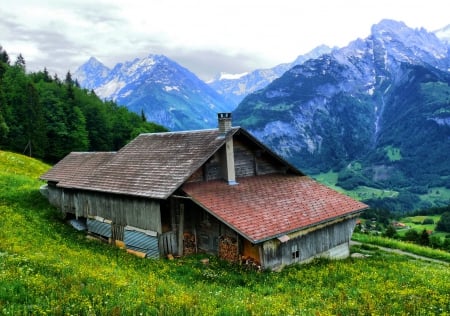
[{"x": 205, "y": 36}]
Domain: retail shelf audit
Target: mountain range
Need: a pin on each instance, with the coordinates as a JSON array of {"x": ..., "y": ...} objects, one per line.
[
  {"x": 235, "y": 88},
  {"x": 172, "y": 96},
  {"x": 376, "y": 112},
  {"x": 159, "y": 88}
]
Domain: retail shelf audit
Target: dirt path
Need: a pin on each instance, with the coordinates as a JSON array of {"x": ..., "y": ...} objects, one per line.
[{"x": 405, "y": 253}]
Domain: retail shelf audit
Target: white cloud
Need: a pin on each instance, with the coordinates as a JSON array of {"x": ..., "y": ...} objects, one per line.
[{"x": 207, "y": 37}]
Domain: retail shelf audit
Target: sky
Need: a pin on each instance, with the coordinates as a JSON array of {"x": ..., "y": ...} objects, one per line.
[{"x": 206, "y": 36}]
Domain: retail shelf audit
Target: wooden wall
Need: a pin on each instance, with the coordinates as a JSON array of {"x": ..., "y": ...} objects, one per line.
[
  {"x": 304, "y": 247},
  {"x": 121, "y": 210},
  {"x": 248, "y": 162}
]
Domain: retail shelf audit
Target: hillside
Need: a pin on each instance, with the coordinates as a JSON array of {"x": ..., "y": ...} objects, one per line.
[
  {"x": 48, "y": 268},
  {"x": 47, "y": 118}
]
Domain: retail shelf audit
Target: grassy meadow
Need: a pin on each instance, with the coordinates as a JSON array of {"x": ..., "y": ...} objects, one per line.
[
  {"x": 330, "y": 179},
  {"x": 48, "y": 268}
]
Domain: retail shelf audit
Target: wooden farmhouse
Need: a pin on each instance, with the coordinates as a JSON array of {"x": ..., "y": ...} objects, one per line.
[{"x": 218, "y": 191}]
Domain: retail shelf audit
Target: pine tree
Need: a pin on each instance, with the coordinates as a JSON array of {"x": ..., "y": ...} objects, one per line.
[
  {"x": 14, "y": 83},
  {"x": 4, "y": 58},
  {"x": 144, "y": 119},
  {"x": 20, "y": 62},
  {"x": 444, "y": 223},
  {"x": 34, "y": 125},
  {"x": 3, "y": 126}
]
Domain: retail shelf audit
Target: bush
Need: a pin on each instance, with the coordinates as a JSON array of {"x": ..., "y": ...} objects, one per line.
[
  {"x": 428, "y": 221},
  {"x": 412, "y": 235},
  {"x": 391, "y": 232},
  {"x": 444, "y": 222}
]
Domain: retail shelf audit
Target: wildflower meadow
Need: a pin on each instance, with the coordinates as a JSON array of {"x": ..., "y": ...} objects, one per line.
[{"x": 49, "y": 268}]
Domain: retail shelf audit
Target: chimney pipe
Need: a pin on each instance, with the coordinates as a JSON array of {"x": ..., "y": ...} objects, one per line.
[{"x": 228, "y": 168}]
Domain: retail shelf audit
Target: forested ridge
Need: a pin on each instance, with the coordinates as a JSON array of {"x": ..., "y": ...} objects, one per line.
[{"x": 46, "y": 117}]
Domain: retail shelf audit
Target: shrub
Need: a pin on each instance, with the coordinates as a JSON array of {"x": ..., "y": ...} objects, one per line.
[
  {"x": 444, "y": 222},
  {"x": 428, "y": 221}
]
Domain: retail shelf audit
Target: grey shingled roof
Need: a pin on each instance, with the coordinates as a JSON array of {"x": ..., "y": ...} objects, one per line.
[
  {"x": 152, "y": 165},
  {"x": 77, "y": 166}
]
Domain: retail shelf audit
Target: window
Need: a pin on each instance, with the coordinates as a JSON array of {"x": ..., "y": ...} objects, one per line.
[{"x": 295, "y": 252}]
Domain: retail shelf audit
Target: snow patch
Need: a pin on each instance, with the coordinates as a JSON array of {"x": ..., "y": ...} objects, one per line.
[
  {"x": 441, "y": 121},
  {"x": 226, "y": 76},
  {"x": 110, "y": 89},
  {"x": 170, "y": 88}
]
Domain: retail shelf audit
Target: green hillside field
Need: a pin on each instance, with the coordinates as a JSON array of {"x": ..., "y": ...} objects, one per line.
[{"x": 49, "y": 268}]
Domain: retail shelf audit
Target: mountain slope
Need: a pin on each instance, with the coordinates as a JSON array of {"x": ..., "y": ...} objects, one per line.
[
  {"x": 164, "y": 91},
  {"x": 386, "y": 93}
]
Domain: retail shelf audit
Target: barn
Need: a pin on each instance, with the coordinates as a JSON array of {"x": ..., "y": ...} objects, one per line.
[{"x": 218, "y": 191}]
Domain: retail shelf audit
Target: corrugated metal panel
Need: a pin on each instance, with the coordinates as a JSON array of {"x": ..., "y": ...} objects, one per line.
[
  {"x": 100, "y": 228},
  {"x": 142, "y": 242}
]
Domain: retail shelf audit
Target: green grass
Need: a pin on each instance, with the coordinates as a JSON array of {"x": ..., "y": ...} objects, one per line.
[
  {"x": 393, "y": 153},
  {"x": 405, "y": 246},
  {"x": 415, "y": 222},
  {"x": 48, "y": 268},
  {"x": 436, "y": 194},
  {"x": 330, "y": 179}
]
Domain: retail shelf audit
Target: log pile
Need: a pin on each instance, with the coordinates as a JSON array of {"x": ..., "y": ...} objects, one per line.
[
  {"x": 228, "y": 249},
  {"x": 251, "y": 263},
  {"x": 189, "y": 244}
]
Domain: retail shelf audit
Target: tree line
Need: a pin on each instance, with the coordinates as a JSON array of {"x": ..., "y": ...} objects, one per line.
[{"x": 46, "y": 117}]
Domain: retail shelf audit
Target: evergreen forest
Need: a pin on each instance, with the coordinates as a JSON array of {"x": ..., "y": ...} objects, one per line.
[{"x": 46, "y": 117}]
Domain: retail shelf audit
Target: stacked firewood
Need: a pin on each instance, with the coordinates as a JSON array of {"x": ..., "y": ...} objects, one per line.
[
  {"x": 228, "y": 249},
  {"x": 190, "y": 245},
  {"x": 250, "y": 263}
]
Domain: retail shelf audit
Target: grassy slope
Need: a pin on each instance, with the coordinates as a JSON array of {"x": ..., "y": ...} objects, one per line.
[
  {"x": 46, "y": 267},
  {"x": 360, "y": 193},
  {"x": 435, "y": 195}
]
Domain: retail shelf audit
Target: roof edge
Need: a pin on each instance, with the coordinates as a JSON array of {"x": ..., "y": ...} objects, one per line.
[{"x": 317, "y": 226}]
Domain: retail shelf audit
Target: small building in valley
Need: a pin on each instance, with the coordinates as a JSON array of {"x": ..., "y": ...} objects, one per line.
[{"x": 218, "y": 191}]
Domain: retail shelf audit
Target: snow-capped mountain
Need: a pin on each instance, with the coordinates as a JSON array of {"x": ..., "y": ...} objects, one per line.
[
  {"x": 236, "y": 87},
  {"x": 92, "y": 74},
  {"x": 444, "y": 34},
  {"x": 164, "y": 91},
  {"x": 357, "y": 105}
]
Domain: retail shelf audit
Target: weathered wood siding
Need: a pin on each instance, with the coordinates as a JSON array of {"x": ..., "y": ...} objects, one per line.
[
  {"x": 248, "y": 162},
  {"x": 304, "y": 247},
  {"x": 251, "y": 162},
  {"x": 121, "y": 210},
  {"x": 54, "y": 195}
]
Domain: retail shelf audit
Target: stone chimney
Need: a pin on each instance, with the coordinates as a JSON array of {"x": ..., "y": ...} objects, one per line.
[
  {"x": 224, "y": 122},
  {"x": 227, "y": 155}
]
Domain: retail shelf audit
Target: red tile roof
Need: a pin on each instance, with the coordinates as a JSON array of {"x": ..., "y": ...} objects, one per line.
[{"x": 265, "y": 207}]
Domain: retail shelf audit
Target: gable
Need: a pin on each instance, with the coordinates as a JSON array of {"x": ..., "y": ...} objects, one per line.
[{"x": 250, "y": 158}]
